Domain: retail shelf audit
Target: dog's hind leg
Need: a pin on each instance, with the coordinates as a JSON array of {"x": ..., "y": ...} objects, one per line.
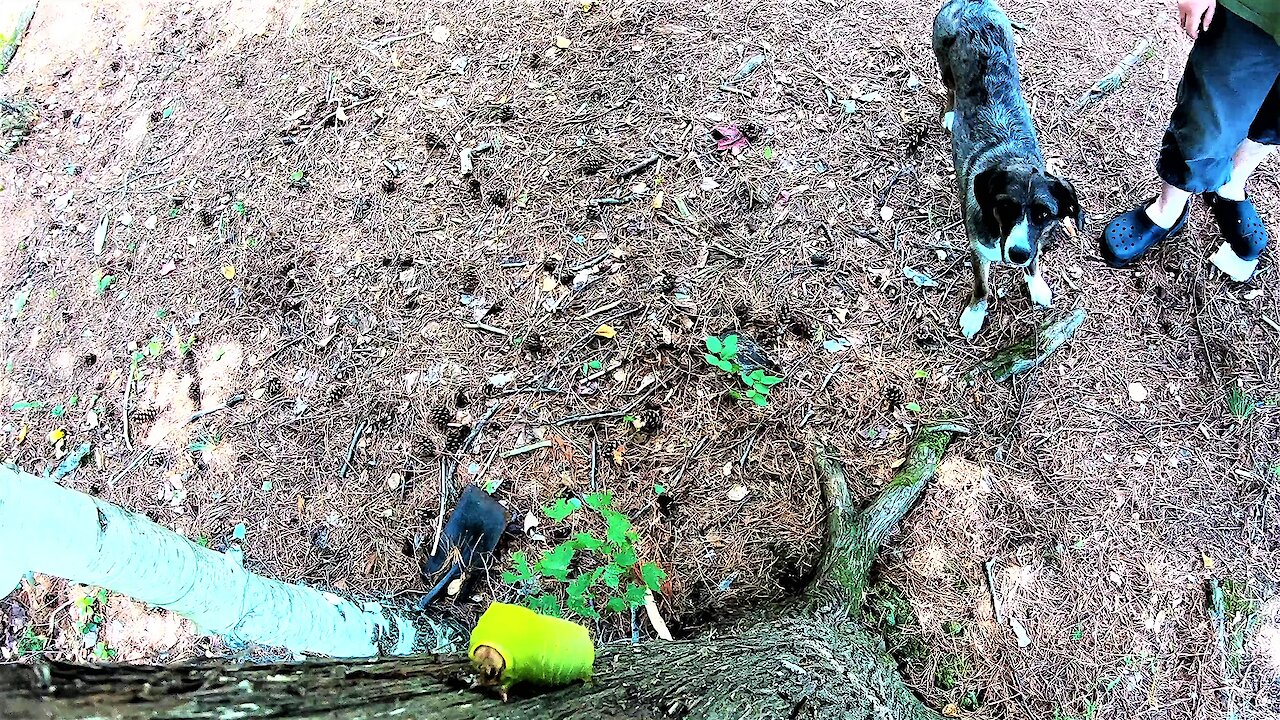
[
  {"x": 1036, "y": 286},
  {"x": 973, "y": 317}
]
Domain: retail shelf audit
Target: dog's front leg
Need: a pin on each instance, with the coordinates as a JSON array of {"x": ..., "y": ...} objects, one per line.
[
  {"x": 1039, "y": 289},
  {"x": 975, "y": 315}
]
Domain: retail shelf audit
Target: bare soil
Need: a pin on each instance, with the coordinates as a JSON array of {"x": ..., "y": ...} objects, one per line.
[{"x": 288, "y": 220}]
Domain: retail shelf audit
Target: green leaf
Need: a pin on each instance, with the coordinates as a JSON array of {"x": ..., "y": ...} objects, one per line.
[
  {"x": 616, "y": 604},
  {"x": 613, "y": 575},
  {"x": 767, "y": 152},
  {"x": 599, "y": 501},
  {"x": 634, "y": 595},
  {"x": 761, "y": 388},
  {"x": 104, "y": 282},
  {"x": 555, "y": 564},
  {"x": 730, "y": 347},
  {"x": 625, "y": 557},
  {"x": 545, "y": 605},
  {"x": 921, "y": 374},
  {"x": 755, "y": 375},
  {"x": 770, "y": 380},
  {"x": 28, "y": 405},
  {"x": 585, "y": 541},
  {"x": 913, "y": 407},
  {"x": 155, "y": 347},
  {"x": 580, "y": 607},
  {"x": 713, "y": 360},
  {"x": 295, "y": 176},
  {"x": 653, "y": 576},
  {"x": 714, "y": 345},
  {"x": 617, "y": 526},
  {"x": 559, "y": 510},
  {"x": 522, "y": 573},
  {"x": 595, "y": 364},
  {"x": 658, "y": 489},
  {"x": 724, "y": 365},
  {"x": 581, "y": 584},
  {"x": 759, "y": 399}
]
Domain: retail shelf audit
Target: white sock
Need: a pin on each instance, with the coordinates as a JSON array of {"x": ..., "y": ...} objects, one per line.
[
  {"x": 1231, "y": 264},
  {"x": 1162, "y": 221},
  {"x": 1230, "y": 193}
]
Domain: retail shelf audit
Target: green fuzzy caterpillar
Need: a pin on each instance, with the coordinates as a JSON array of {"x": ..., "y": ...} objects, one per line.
[{"x": 512, "y": 644}]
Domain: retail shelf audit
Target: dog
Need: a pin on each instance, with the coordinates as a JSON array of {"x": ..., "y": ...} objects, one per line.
[{"x": 1009, "y": 201}]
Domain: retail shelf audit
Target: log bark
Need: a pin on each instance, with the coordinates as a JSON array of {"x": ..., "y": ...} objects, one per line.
[{"x": 805, "y": 658}]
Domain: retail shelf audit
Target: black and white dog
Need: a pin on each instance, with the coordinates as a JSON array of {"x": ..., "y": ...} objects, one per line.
[{"x": 1010, "y": 203}]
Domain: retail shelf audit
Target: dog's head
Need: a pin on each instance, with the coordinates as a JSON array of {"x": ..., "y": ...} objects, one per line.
[{"x": 1019, "y": 204}]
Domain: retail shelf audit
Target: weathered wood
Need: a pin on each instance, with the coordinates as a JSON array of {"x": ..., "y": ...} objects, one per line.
[{"x": 1029, "y": 353}]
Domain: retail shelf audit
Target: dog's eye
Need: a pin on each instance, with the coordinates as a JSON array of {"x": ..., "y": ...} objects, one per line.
[{"x": 1040, "y": 214}]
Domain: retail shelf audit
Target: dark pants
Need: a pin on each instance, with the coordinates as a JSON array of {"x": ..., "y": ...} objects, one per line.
[{"x": 1229, "y": 92}]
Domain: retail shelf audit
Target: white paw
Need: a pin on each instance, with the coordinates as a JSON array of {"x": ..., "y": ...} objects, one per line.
[
  {"x": 972, "y": 319},
  {"x": 1040, "y": 292},
  {"x": 949, "y": 121}
]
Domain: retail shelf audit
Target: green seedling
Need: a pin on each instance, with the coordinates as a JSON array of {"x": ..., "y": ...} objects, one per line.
[
  {"x": 590, "y": 366},
  {"x": 205, "y": 442},
  {"x": 238, "y": 207},
  {"x": 102, "y": 282},
  {"x": 596, "y": 573},
  {"x": 723, "y": 354},
  {"x": 1240, "y": 404}
]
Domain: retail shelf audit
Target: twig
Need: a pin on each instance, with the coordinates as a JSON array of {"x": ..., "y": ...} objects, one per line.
[
  {"x": 995, "y": 594},
  {"x": 351, "y": 449},
  {"x": 486, "y": 328},
  {"x": 883, "y": 196},
  {"x": 611, "y": 413},
  {"x": 231, "y": 402},
  {"x": 726, "y": 251},
  {"x": 595, "y": 451},
  {"x": 285, "y": 346},
  {"x": 638, "y": 168},
  {"x": 737, "y": 91},
  {"x": 600, "y": 310},
  {"x": 616, "y": 201},
  {"x": 128, "y": 391},
  {"x": 527, "y": 448},
  {"x": 445, "y": 473},
  {"x": 135, "y": 462},
  {"x": 1114, "y": 79},
  {"x": 1204, "y": 344},
  {"x": 835, "y": 370}
]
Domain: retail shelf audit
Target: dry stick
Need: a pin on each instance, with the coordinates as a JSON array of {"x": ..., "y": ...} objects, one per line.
[
  {"x": 995, "y": 594},
  {"x": 285, "y": 346},
  {"x": 611, "y": 413},
  {"x": 128, "y": 390},
  {"x": 1201, "y": 305},
  {"x": 231, "y": 402},
  {"x": 486, "y": 328},
  {"x": 736, "y": 91},
  {"x": 527, "y": 448},
  {"x": 595, "y": 450},
  {"x": 639, "y": 167},
  {"x": 351, "y": 449}
]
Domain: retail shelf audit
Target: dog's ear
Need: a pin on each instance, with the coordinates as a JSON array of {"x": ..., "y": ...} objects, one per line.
[
  {"x": 986, "y": 185},
  {"x": 1068, "y": 202}
]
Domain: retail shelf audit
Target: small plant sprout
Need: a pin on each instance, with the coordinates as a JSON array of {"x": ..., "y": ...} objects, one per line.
[
  {"x": 597, "y": 574},
  {"x": 723, "y": 354},
  {"x": 591, "y": 366}
]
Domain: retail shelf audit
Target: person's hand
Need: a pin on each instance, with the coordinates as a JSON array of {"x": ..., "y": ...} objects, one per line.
[{"x": 1195, "y": 15}]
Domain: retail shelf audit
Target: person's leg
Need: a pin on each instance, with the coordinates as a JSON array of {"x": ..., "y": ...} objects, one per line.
[
  {"x": 1230, "y": 71},
  {"x": 1243, "y": 232},
  {"x": 1247, "y": 158}
]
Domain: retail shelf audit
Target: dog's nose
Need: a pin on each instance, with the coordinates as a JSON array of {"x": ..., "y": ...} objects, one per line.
[{"x": 1019, "y": 255}]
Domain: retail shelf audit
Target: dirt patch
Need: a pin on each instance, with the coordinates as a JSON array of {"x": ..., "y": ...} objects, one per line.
[{"x": 288, "y": 220}]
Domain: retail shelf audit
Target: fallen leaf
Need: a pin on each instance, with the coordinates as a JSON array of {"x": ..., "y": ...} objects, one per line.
[
  {"x": 737, "y": 493},
  {"x": 1137, "y": 392},
  {"x": 659, "y": 196},
  {"x": 617, "y": 454},
  {"x": 1208, "y": 562},
  {"x": 229, "y": 272},
  {"x": 151, "y": 222},
  {"x": 440, "y": 33},
  {"x": 563, "y": 42},
  {"x": 100, "y": 235},
  {"x": 886, "y": 213},
  {"x": 125, "y": 219},
  {"x": 729, "y": 137},
  {"x": 606, "y": 331},
  {"x": 548, "y": 283},
  {"x": 952, "y": 710},
  {"x": 57, "y": 435},
  {"x": 167, "y": 268},
  {"x": 708, "y": 184}
]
